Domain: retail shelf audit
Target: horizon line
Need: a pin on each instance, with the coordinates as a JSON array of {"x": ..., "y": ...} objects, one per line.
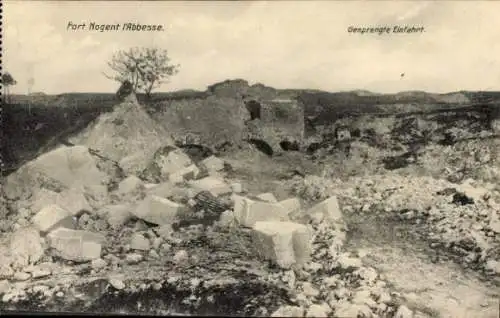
[
  {"x": 259, "y": 83},
  {"x": 277, "y": 89}
]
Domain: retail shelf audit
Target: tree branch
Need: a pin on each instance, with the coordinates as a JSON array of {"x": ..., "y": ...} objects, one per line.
[{"x": 145, "y": 68}]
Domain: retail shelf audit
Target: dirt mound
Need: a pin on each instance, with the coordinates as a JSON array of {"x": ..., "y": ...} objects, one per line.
[
  {"x": 128, "y": 135},
  {"x": 60, "y": 169}
]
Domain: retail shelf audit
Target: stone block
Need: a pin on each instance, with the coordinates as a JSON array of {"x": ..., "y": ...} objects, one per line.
[
  {"x": 188, "y": 173},
  {"x": 158, "y": 210},
  {"x": 211, "y": 184},
  {"x": 268, "y": 197},
  {"x": 61, "y": 168},
  {"x": 116, "y": 215},
  {"x": 292, "y": 206},
  {"x": 130, "y": 187},
  {"x": 139, "y": 242},
  {"x": 284, "y": 243},
  {"x": 75, "y": 245},
  {"x": 52, "y": 217},
  {"x": 72, "y": 200},
  {"x": 149, "y": 186},
  {"x": 172, "y": 162},
  {"x": 327, "y": 210},
  {"x": 26, "y": 246},
  {"x": 164, "y": 189},
  {"x": 236, "y": 187},
  {"x": 43, "y": 198},
  {"x": 212, "y": 163},
  {"x": 248, "y": 211}
]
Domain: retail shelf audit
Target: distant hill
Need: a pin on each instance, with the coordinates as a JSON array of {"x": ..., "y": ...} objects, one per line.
[
  {"x": 363, "y": 92},
  {"x": 313, "y": 99},
  {"x": 452, "y": 98},
  {"x": 482, "y": 96}
]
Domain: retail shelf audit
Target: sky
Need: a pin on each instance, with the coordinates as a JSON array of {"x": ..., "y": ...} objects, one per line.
[{"x": 283, "y": 44}]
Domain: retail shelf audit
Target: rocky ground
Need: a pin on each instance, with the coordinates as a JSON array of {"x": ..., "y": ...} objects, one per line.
[
  {"x": 199, "y": 266},
  {"x": 249, "y": 234}
]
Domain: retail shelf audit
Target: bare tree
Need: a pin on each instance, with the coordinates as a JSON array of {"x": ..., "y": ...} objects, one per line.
[
  {"x": 7, "y": 80},
  {"x": 145, "y": 68}
]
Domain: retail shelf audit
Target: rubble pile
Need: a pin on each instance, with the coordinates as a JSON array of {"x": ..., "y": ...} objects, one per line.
[
  {"x": 462, "y": 219},
  {"x": 248, "y": 239},
  {"x": 471, "y": 159},
  {"x": 87, "y": 226},
  {"x": 334, "y": 282},
  {"x": 127, "y": 136}
]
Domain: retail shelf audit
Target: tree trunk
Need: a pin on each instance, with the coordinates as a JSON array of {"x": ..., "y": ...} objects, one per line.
[
  {"x": 148, "y": 90},
  {"x": 136, "y": 81}
]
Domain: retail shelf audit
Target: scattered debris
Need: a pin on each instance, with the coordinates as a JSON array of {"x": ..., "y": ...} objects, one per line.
[{"x": 179, "y": 224}]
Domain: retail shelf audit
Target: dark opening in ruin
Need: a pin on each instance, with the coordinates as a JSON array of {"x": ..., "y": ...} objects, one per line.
[
  {"x": 309, "y": 128},
  {"x": 223, "y": 146},
  {"x": 253, "y": 108},
  {"x": 356, "y": 133},
  {"x": 289, "y": 145},
  {"x": 460, "y": 198},
  {"x": 196, "y": 152},
  {"x": 342, "y": 133},
  {"x": 398, "y": 162},
  {"x": 312, "y": 148},
  {"x": 262, "y": 146},
  {"x": 448, "y": 140}
]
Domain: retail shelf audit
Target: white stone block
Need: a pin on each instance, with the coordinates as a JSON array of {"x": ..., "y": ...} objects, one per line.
[
  {"x": 74, "y": 245},
  {"x": 211, "y": 184},
  {"x": 158, "y": 210},
  {"x": 52, "y": 217},
  {"x": 284, "y": 243},
  {"x": 268, "y": 197},
  {"x": 248, "y": 211},
  {"x": 212, "y": 163}
]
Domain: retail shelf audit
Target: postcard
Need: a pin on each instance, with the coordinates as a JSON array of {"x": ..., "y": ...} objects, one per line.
[{"x": 250, "y": 158}]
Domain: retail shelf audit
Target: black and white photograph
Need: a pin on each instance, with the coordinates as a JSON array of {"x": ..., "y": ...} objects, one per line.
[{"x": 250, "y": 158}]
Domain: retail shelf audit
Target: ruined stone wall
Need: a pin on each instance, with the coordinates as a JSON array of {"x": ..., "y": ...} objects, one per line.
[
  {"x": 229, "y": 88},
  {"x": 280, "y": 120},
  {"x": 285, "y": 117},
  {"x": 210, "y": 121},
  {"x": 223, "y": 116}
]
